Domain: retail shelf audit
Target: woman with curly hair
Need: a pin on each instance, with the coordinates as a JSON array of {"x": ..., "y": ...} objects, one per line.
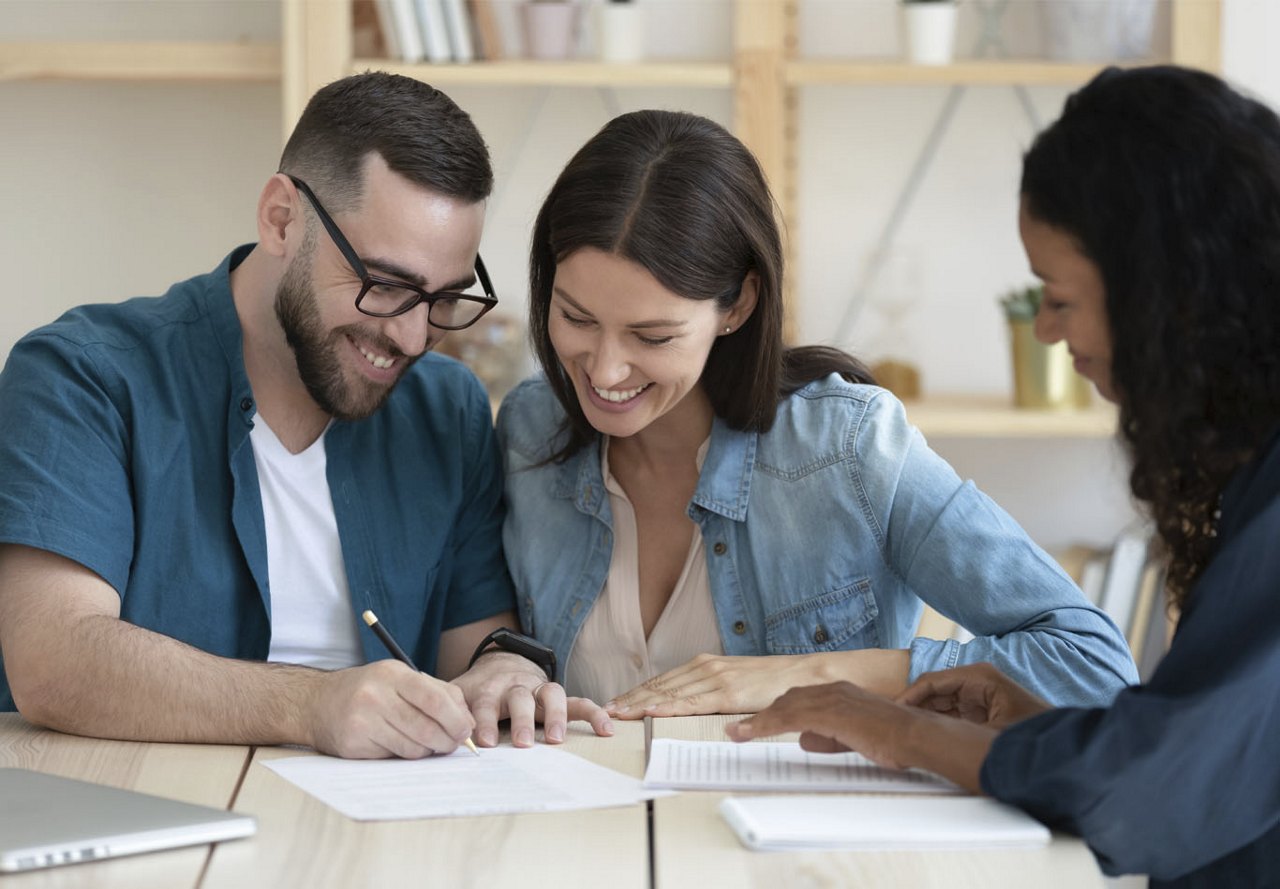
[{"x": 1151, "y": 210}]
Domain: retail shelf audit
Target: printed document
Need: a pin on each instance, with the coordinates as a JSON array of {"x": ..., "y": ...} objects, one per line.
[
  {"x": 724, "y": 765},
  {"x": 500, "y": 781}
]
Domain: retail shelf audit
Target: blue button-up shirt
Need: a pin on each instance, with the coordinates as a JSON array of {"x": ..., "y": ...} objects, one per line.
[
  {"x": 824, "y": 534},
  {"x": 124, "y": 446}
]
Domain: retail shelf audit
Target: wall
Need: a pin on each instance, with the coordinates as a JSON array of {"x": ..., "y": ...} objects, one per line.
[{"x": 114, "y": 190}]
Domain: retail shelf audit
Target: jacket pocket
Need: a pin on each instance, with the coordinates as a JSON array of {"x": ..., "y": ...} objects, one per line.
[{"x": 836, "y": 620}]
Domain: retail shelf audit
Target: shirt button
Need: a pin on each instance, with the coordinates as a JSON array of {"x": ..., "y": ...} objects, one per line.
[
  {"x": 820, "y": 635},
  {"x": 720, "y": 549},
  {"x": 637, "y": 661},
  {"x": 739, "y": 627},
  {"x": 246, "y": 404}
]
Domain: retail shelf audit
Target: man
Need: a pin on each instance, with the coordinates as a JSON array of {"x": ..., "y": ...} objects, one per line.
[{"x": 229, "y": 474}]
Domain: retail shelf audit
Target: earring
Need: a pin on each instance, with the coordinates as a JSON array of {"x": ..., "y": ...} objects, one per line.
[{"x": 728, "y": 330}]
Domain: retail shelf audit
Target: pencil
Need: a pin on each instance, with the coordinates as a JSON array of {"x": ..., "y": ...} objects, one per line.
[{"x": 398, "y": 653}]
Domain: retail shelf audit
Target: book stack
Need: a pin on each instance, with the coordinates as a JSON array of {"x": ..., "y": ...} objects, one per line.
[{"x": 439, "y": 31}]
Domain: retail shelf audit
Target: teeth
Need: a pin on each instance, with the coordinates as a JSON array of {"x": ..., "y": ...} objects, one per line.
[
  {"x": 619, "y": 395},
  {"x": 377, "y": 360}
]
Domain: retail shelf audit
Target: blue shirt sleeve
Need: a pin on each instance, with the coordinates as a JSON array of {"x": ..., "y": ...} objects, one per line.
[
  {"x": 64, "y": 457},
  {"x": 968, "y": 559}
]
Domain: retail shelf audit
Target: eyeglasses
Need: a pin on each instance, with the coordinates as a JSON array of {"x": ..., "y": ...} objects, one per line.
[{"x": 384, "y": 298}]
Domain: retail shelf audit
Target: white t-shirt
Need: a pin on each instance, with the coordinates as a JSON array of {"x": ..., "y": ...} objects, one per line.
[{"x": 312, "y": 621}]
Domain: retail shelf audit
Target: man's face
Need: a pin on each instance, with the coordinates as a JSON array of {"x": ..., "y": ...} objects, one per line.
[{"x": 349, "y": 361}]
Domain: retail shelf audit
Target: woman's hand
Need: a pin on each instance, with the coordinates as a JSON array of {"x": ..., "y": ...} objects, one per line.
[
  {"x": 841, "y": 716},
  {"x": 727, "y": 684},
  {"x": 978, "y": 693},
  {"x": 716, "y": 684}
]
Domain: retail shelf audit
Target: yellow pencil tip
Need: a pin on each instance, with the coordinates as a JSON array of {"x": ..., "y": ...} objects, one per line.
[
  {"x": 472, "y": 744},
  {"x": 369, "y": 618}
]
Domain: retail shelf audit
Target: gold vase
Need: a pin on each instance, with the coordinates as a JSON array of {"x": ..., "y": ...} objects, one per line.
[{"x": 1043, "y": 377}]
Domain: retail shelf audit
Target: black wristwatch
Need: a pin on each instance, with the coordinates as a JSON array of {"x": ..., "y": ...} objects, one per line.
[{"x": 517, "y": 643}]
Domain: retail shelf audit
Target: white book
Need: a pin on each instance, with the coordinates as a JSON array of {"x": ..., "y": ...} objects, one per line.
[
  {"x": 1124, "y": 574},
  {"x": 406, "y": 27},
  {"x": 435, "y": 35},
  {"x": 459, "y": 24},
  {"x": 789, "y": 823}
]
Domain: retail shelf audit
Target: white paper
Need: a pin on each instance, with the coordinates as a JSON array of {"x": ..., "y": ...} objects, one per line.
[
  {"x": 724, "y": 765},
  {"x": 501, "y": 780},
  {"x": 770, "y": 823}
]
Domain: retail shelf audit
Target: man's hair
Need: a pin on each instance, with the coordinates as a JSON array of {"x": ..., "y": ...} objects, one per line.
[
  {"x": 418, "y": 130},
  {"x": 1169, "y": 181},
  {"x": 680, "y": 196}
]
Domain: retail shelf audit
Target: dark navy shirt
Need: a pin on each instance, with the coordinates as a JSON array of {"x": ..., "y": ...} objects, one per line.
[
  {"x": 124, "y": 446},
  {"x": 1179, "y": 778}
]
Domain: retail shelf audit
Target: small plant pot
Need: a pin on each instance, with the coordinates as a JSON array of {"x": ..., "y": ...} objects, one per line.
[
  {"x": 550, "y": 29},
  {"x": 930, "y": 32},
  {"x": 1043, "y": 376}
]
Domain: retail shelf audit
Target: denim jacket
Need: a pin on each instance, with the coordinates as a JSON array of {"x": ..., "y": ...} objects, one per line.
[{"x": 823, "y": 534}]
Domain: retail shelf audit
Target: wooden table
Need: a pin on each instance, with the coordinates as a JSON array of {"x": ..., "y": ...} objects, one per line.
[
  {"x": 303, "y": 843},
  {"x": 695, "y": 848}
]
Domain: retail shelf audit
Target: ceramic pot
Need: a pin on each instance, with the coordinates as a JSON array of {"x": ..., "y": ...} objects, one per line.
[
  {"x": 930, "y": 30},
  {"x": 550, "y": 29}
]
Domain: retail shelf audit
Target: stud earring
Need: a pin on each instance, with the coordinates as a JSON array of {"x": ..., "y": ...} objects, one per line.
[{"x": 728, "y": 330}]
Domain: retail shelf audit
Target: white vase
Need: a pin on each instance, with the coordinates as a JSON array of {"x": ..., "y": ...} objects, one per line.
[
  {"x": 550, "y": 29},
  {"x": 620, "y": 31},
  {"x": 930, "y": 31}
]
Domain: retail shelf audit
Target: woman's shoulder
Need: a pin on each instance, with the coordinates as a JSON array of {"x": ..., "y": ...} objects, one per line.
[
  {"x": 830, "y": 417},
  {"x": 531, "y": 419}
]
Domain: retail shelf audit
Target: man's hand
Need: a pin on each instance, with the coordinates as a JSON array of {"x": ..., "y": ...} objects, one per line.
[
  {"x": 386, "y": 709},
  {"x": 501, "y": 685},
  {"x": 976, "y": 692}
]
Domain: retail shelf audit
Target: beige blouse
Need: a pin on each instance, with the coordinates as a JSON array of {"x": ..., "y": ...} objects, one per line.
[{"x": 611, "y": 654}]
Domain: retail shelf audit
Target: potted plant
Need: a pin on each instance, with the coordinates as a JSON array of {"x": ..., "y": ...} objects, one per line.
[
  {"x": 550, "y": 28},
  {"x": 1042, "y": 375},
  {"x": 930, "y": 30}
]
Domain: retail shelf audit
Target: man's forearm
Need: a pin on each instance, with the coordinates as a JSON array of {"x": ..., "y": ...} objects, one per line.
[{"x": 103, "y": 677}]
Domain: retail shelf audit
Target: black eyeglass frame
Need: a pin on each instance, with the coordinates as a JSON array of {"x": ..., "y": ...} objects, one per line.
[{"x": 369, "y": 281}]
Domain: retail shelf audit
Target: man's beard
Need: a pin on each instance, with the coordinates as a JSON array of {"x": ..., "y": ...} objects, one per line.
[{"x": 316, "y": 351}]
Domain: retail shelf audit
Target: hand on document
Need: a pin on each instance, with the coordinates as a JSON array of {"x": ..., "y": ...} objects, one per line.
[
  {"x": 841, "y": 716},
  {"x": 502, "y": 685}
]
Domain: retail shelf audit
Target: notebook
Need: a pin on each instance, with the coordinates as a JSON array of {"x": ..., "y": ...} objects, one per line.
[
  {"x": 778, "y": 823},
  {"x": 47, "y": 820}
]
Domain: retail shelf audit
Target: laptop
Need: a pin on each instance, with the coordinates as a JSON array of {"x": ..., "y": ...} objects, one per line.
[{"x": 47, "y": 820}]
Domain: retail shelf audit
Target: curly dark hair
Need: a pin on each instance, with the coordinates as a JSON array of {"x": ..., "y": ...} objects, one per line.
[
  {"x": 1169, "y": 180},
  {"x": 682, "y": 197}
]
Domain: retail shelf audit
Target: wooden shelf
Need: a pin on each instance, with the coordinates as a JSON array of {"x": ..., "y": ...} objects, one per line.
[
  {"x": 993, "y": 416},
  {"x": 1029, "y": 72},
  {"x": 579, "y": 74},
  {"x": 176, "y": 60}
]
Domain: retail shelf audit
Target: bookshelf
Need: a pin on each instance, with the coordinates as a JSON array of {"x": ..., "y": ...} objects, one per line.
[{"x": 190, "y": 60}]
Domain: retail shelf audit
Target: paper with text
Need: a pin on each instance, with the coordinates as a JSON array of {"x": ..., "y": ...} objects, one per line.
[
  {"x": 500, "y": 781},
  {"x": 724, "y": 765}
]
